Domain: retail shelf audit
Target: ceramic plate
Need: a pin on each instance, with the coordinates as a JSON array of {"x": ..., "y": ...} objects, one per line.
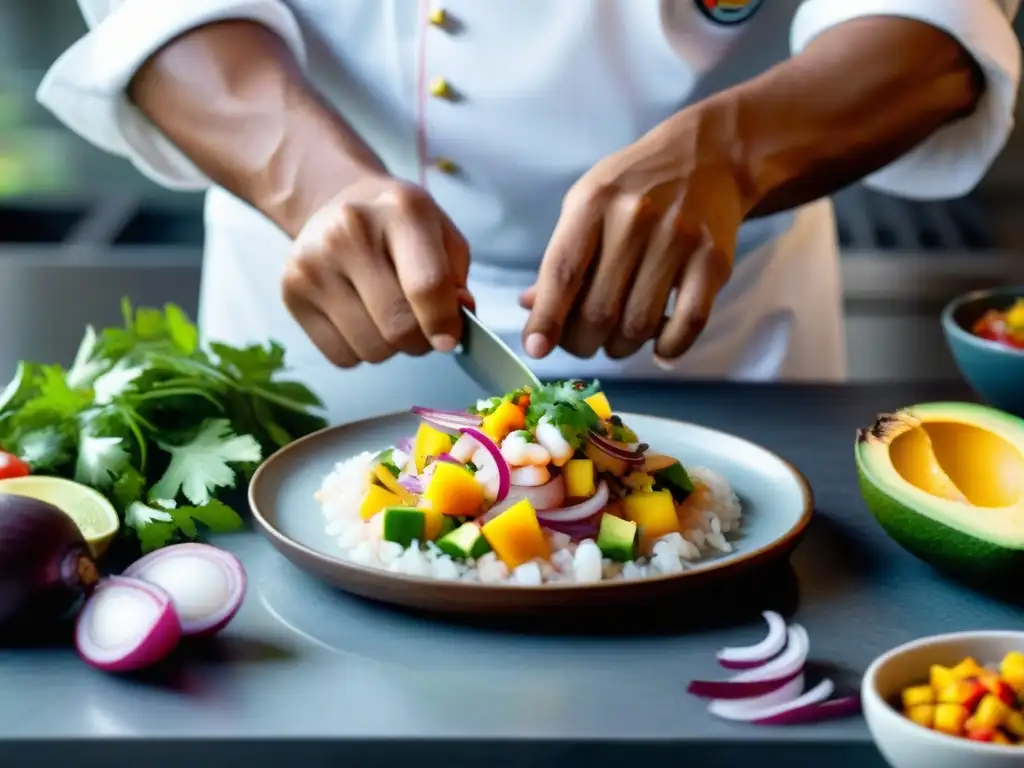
[{"x": 776, "y": 499}]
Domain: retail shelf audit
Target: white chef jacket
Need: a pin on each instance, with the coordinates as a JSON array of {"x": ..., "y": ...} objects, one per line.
[{"x": 536, "y": 92}]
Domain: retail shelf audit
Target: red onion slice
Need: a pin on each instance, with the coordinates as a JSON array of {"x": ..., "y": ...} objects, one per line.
[
  {"x": 732, "y": 708},
  {"x": 763, "y": 679},
  {"x": 585, "y": 509},
  {"x": 615, "y": 451},
  {"x": 542, "y": 497},
  {"x": 411, "y": 483},
  {"x": 579, "y": 529},
  {"x": 751, "y": 656},
  {"x": 464, "y": 417},
  {"x": 789, "y": 712},
  {"x": 497, "y": 461},
  {"x": 405, "y": 445}
]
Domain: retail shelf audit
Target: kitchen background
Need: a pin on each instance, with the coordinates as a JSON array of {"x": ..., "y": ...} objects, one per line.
[{"x": 80, "y": 229}]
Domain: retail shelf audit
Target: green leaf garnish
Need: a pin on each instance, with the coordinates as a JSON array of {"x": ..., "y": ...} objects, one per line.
[{"x": 564, "y": 404}]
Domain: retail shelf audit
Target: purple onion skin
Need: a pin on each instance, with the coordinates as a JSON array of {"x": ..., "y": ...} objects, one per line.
[{"x": 45, "y": 566}]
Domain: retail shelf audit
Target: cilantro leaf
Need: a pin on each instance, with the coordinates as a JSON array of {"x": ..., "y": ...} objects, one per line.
[
  {"x": 157, "y": 526},
  {"x": 563, "y": 404},
  {"x": 201, "y": 465},
  {"x": 99, "y": 460}
]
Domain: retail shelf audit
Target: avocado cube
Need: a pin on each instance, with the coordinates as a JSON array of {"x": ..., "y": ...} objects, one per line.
[
  {"x": 404, "y": 525},
  {"x": 675, "y": 479},
  {"x": 466, "y": 542},
  {"x": 616, "y": 538}
]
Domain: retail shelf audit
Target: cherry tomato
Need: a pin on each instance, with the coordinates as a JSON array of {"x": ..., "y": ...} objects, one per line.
[{"x": 12, "y": 466}]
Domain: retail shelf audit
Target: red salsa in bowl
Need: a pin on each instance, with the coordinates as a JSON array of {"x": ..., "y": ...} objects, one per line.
[{"x": 1003, "y": 326}]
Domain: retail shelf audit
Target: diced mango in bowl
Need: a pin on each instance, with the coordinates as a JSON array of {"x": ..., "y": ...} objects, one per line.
[{"x": 971, "y": 701}]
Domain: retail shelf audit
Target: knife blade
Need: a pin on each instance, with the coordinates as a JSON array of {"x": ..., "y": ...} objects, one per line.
[{"x": 488, "y": 361}]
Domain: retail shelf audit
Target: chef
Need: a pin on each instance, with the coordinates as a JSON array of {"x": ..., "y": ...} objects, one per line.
[{"x": 621, "y": 188}]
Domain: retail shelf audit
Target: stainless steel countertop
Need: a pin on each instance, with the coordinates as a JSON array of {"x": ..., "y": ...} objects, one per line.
[{"x": 310, "y": 675}]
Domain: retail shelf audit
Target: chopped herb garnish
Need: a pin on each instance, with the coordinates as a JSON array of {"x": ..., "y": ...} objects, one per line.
[
  {"x": 564, "y": 404},
  {"x": 472, "y": 467},
  {"x": 161, "y": 426},
  {"x": 386, "y": 458}
]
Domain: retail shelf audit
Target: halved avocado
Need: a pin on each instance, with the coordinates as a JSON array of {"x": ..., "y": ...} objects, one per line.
[{"x": 946, "y": 481}]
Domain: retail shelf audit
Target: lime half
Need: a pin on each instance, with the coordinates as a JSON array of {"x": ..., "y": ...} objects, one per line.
[{"x": 95, "y": 516}]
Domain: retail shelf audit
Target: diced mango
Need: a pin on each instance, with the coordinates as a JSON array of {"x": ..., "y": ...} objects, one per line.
[
  {"x": 579, "y": 479},
  {"x": 385, "y": 478},
  {"x": 375, "y": 500},
  {"x": 1014, "y": 723},
  {"x": 967, "y": 693},
  {"x": 967, "y": 668},
  {"x": 605, "y": 463},
  {"x": 598, "y": 402},
  {"x": 939, "y": 677},
  {"x": 922, "y": 714},
  {"x": 1012, "y": 670},
  {"x": 638, "y": 481},
  {"x": 654, "y": 512},
  {"x": 950, "y": 718},
  {"x": 429, "y": 442},
  {"x": 919, "y": 694},
  {"x": 453, "y": 490},
  {"x": 990, "y": 713},
  {"x": 516, "y": 536},
  {"x": 506, "y": 418}
]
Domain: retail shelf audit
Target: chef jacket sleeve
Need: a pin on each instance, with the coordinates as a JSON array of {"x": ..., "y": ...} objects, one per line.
[
  {"x": 955, "y": 158},
  {"x": 86, "y": 87}
]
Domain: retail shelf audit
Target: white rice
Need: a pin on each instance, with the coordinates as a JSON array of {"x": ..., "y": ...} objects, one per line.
[{"x": 715, "y": 516}]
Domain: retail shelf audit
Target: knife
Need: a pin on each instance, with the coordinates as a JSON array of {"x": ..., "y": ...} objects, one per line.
[{"x": 488, "y": 361}]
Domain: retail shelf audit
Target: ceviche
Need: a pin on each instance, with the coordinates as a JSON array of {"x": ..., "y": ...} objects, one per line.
[{"x": 537, "y": 486}]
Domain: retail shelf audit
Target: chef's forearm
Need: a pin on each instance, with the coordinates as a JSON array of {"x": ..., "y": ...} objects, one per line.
[
  {"x": 230, "y": 96},
  {"x": 856, "y": 99}
]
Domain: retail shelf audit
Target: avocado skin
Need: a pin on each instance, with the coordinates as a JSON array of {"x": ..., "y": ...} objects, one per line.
[{"x": 936, "y": 544}]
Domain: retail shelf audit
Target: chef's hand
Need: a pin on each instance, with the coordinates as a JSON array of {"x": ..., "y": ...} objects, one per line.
[
  {"x": 378, "y": 270},
  {"x": 659, "y": 215}
]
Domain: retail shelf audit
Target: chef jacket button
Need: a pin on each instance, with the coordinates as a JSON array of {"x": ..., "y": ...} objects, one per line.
[
  {"x": 444, "y": 165},
  {"x": 441, "y": 89},
  {"x": 438, "y": 17}
]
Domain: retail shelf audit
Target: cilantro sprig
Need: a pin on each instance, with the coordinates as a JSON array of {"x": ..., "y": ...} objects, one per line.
[
  {"x": 161, "y": 426},
  {"x": 564, "y": 404}
]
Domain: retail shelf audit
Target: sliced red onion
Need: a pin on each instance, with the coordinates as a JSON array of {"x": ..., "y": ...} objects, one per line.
[
  {"x": 764, "y": 679},
  {"x": 449, "y": 421},
  {"x": 126, "y": 625},
  {"x": 732, "y": 708},
  {"x": 464, "y": 448},
  {"x": 579, "y": 529},
  {"x": 411, "y": 483},
  {"x": 615, "y": 451},
  {"x": 844, "y": 706},
  {"x": 206, "y": 584},
  {"x": 542, "y": 497},
  {"x": 787, "y": 712},
  {"x": 405, "y": 445},
  {"x": 580, "y": 511},
  {"x": 496, "y": 460},
  {"x": 752, "y": 656}
]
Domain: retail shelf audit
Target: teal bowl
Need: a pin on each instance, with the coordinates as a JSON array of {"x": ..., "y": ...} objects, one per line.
[{"x": 995, "y": 372}]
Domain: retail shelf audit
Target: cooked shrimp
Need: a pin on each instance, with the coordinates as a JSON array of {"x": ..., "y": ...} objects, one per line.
[
  {"x": 530, "y": 476},
  {"x": 519, "y": 452},
  {"x": 550, "y": 436}
]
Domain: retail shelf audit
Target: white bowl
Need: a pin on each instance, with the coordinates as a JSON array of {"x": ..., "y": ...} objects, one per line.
[{"x": 908, "y": 745}]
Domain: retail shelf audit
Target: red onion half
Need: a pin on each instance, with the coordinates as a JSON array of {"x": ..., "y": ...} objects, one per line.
[
  {"x": 206, "y": 584},
  {"x": 45, "y": 567},
  {"x": 126, "y": 625}
]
